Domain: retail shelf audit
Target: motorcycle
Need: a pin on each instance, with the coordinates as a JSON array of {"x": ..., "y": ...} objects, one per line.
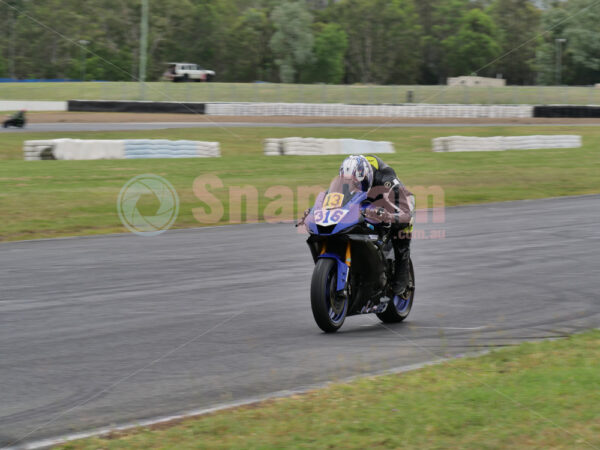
[
  {"x": 354, "y": 261},
  {"x": 18, "y": 121}
]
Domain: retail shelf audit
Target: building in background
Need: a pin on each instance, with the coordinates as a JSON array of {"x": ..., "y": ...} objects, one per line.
[{"x": 476, "y": 81}]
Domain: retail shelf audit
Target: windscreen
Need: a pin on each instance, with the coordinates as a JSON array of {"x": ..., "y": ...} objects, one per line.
[{"x": 340, "y": 193}]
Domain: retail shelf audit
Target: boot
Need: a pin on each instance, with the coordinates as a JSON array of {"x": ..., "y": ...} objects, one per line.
[{"x": 400, "y": 282}]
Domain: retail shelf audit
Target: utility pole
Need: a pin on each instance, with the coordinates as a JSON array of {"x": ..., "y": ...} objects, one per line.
[
  {"x": 82, "y": 50},
  {"x": 143, "y": 48},
  {"x": 559, "y": 42}
]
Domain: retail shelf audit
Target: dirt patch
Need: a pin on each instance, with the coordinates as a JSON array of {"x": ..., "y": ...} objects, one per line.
[{"x": 93, "y": 117}]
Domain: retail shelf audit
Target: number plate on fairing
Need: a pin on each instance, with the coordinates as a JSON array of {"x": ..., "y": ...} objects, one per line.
[{"x": 326, "y": 217}]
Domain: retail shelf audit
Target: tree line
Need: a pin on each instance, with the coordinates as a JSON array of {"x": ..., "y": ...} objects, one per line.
[{"x": 306, "y": 41}]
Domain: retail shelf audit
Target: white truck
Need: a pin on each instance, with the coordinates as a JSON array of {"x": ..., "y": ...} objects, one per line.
[{"x": 187, "y": 72}]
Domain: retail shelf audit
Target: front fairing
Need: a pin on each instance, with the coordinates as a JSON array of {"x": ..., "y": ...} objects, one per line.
[{"x": 335, "y": 212}]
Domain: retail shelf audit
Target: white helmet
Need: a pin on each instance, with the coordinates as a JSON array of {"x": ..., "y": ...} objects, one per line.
[{"x": 358, "y": 169}]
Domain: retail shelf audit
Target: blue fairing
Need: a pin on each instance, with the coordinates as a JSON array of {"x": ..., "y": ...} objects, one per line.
[
  {"x": 353, "y": 207},
  {"x": 342, "y": 270}
]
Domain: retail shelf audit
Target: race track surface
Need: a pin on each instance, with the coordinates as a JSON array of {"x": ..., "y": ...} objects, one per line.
[
  {"x": 105, "y": 330},
  {"x": 133, "y": 126}
]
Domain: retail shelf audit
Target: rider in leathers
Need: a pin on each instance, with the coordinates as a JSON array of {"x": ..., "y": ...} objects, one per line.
[
  {"x": 393, "y": 205},
  {"x": 389, "y": 203}
]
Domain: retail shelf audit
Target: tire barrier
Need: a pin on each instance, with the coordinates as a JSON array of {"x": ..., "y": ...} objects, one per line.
[
  {"x": 310, "y": 109},
  {"x": 307, "y": 109},
  {"x": 295, "y": 146},
  {"x": 78, "y": 149},
  {"x": 341, "y": 110},
  {"x": 29, "y": 105},
  {"x": 567, "y": 111},
  {"x": 36, "y": 150},
  {"x": 160, "y": 148},
  {"x": 501, "y": 143},
  {"x": 136, "y": 107}
]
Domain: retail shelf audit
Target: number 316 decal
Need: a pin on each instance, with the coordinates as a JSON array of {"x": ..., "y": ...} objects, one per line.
[{"x": 329, "y": 217}]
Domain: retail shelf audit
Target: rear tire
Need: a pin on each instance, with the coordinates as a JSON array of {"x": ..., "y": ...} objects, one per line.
[
  {"x": 399, "y": 308},
  {"x": 329, "y": 311}
]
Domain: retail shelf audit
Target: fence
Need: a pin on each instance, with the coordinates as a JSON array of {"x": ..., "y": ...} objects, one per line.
[{"x": 301, "y": 93}]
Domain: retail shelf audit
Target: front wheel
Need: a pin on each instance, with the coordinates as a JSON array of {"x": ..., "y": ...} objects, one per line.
[
  {"x": 399, "y": 307},
  {"x": 328, "y": 309}
]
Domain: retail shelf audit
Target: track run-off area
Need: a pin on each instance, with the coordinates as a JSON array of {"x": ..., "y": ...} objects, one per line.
[{"x": 101, "y": 331}]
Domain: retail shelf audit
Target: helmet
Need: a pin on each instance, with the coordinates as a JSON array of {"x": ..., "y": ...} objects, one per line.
[{"x": 359, "y": 170}]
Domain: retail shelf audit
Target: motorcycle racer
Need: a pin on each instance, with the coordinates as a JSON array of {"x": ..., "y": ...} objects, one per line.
[{"x": 389, "y": 203}]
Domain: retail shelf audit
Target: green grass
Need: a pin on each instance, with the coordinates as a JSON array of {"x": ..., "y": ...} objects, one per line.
[
  {"x": 535, "y": 395},
  {"x": 64, "y": 198},
  {"x": 268, "y": 92}
]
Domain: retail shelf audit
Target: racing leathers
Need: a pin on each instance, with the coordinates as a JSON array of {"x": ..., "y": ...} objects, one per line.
[{"x": 390, "y": 203}]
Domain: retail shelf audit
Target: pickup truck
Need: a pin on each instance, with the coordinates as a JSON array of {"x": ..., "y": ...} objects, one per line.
[{"x": 187, "y": 72}]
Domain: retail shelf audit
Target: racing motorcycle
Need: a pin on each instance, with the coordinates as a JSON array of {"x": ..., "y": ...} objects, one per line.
[
  {"x": 354, "y": 261},
  {"x": 18, "y": 120}
]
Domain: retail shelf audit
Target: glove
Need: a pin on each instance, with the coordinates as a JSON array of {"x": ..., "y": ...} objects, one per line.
[
  {"x": 301, "y": 222},
  {"x": 384, "y": 216},
  {"x": 378, "y": 215}
]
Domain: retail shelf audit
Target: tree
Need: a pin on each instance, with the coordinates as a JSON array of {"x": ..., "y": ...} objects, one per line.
[
  {"x": 10, "y": 11},
  {"x": 330, "y": 48},
  {"x": 383, "y": 40},
  {"x": 518, "y": 23},
  {"x": 474, "y": 46},
  {"x": 583, "y": 41},
  {"x": 292, "y": 41},
  {"x": 577, "y": 22},
  {"x": 553, "y": 19},
  {"x": 248, "y": 52},
  {"x": 439, "y": 19}
]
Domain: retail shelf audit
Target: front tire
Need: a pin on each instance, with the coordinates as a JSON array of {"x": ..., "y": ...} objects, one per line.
[
  {"x": 399, "y": 308},
  {"x": 328, "y": 310}
]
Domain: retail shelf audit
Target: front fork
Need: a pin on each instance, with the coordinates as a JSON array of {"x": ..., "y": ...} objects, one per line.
[{"x": 343, "y": 267}]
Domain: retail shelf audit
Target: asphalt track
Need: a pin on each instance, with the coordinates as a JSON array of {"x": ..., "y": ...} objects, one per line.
[
  {"x": 105, "y": 330},
  {"x": 132, "y": 126}
]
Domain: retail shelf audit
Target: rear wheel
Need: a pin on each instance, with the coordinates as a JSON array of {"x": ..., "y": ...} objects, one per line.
[
  {"x": 328, "y": 309},
  {"x": 399, "y": 307}
]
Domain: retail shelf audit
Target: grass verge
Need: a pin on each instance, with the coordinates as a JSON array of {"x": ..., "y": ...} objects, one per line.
[
  {"x": 302, "y": 93},
  {"x": 535, "y": 395},
  {"x": 63, "y": 198}
]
